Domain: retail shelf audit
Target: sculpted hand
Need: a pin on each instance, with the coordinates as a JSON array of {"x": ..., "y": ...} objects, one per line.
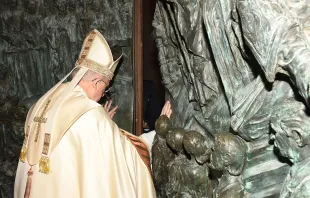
[
  {"x": 167, "y": 109},
  {"x": 107, "y": 107}
]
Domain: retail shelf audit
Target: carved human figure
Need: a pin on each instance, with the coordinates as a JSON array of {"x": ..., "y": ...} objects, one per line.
[
  {"x": 275, "y": 109},
  {"x": 229, "y": 156},
  {"x": 161, "y": 154},
  {"x": 32, "y": 6},
  {"x": 33, "y": 26},
  {"x": 174, "y": 140},
  {"x": 200, "y": 74},
  {"x": 222, "y": 25},
  {"x": 275, "y": 36},
  {"x": 169, "y": 57},
  {"x": 187, "y": 178},
  {"x": 198, "y": 146},
  {"x": 61, "y": 5},
  {"x": 199, "y": 149},
  {"x": 292, "y": 138},
  {"x": 276, "y": 33},
  {"x": 177, "y": 181},
  {"x": 187, "y": 70}
]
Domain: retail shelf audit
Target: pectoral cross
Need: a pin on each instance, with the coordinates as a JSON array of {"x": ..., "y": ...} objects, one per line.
[{"x": 40, "y": 120}]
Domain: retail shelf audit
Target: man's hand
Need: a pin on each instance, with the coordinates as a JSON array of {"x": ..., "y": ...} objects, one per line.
[
  {"x": 167, "y": 109},
  {"x": 107, "y": 107}
]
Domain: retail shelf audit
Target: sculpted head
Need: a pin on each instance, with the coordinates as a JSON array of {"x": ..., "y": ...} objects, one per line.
[
  {"x": 174, "y": 139},
  {"x": 61, "y": 5},
  {"x": 229, "y": 153},
  {"x": 32, "y": 6},
  {"x": 292, "y": 136},
  {"x": 162, "y": 126},
  {"x": 197, "y": 145}
]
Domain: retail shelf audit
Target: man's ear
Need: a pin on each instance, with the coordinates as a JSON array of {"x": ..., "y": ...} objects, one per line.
[
  {"x": 106, "y": 81},
  {"x": 94, "y": 84}
]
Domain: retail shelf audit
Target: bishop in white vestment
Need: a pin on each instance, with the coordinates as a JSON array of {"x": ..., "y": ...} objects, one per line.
[{"x": 72, "y": 148}]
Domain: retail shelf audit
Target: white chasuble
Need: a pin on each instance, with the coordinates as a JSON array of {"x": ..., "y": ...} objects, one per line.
[{"x": 91, "y": 158}]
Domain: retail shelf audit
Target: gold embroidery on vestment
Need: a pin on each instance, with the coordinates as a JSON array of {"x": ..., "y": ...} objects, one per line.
[{"x": 40, "y": 120}]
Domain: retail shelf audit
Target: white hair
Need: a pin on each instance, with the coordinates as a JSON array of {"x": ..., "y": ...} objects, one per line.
[{"x": 89, "y": 76}]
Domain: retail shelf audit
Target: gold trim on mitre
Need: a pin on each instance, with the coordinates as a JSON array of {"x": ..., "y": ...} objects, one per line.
[{"x": 97, "y": 56}]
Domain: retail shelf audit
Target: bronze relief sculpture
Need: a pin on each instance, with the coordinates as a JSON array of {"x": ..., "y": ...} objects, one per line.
[{"x": 237, "y": 72}]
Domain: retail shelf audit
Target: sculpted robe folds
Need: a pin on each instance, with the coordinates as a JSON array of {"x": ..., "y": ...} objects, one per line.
[{"x": 92, "y": 158}]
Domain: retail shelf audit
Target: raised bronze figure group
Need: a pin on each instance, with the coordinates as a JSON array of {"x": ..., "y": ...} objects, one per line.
[{"x": 237, "y": 74}]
